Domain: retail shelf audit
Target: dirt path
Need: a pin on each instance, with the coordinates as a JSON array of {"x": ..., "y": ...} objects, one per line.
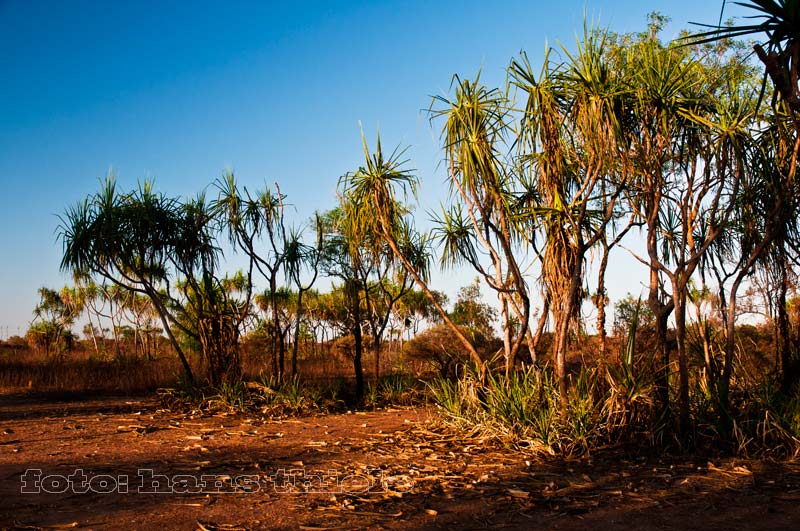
[{"x": 377, "y": 470}]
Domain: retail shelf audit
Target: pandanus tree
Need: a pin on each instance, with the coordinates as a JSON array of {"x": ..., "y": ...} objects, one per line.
[
  {"x": 300, "y": 257},
  {"x": 779, "y": 22},
  {"x": 109, "y": 303},
  {"x": 347, "y": 259},
  {"x": 124, "y": 306},
  {"x": 767, "y": 237},
  {"x": 373, "y": 281},
  {"x": 148, "y": 243},
  {"x": 256, "y": 225},
  {"x": 691, "y": 119},
  {"x": 664, "y": 83},
  {"x": 764, "y": 218},
  {"x": 214, "y": 310},
  {"x": 87, "y": 294},
  {"x": 479, "y": 228},
  {"x": 383, "y": 295},
  {"x": 278, "y": 308},
  {"x": 142, "y": 317},
  {"x": 375, "y": 196},
  {"x": 784, "y": 247},
  {"x": 55, "y": 313},
  {"x": 211, "y": 307},
  {"x": 700, "y": 211},
  {"x": 571, "y": 150}
]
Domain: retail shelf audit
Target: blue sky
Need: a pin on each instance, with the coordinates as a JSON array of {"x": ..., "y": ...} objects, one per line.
[{"x": 179, "y": 91}]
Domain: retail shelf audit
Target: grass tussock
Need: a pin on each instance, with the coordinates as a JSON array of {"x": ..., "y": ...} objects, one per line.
[
  {"x": 611, "y": 406},
  {"x": 267, "y": 396},
  {"x": 526, "y": 409},
  {"x": 394, "y": 389},
  {"x": 291, "y": 397}
]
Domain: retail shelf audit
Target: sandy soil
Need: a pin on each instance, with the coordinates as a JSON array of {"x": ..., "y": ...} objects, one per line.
[{"x": 389, "y": 469}]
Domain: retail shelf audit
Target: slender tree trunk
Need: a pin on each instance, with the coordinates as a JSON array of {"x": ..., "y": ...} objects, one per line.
[
  {"x": 531, "y": 356},
  {"x": 94, "y": 336},
  {"x": 708, "y": 357},
  {"x": 723, "y": 385},
  {"x": 135, "y": 342},
  {"x": 376, "y": 345},
  {"x": 663, "y": 366},
  {"x": 296, "y": 344},
  {"x": 679, "y": 296},
  {"x": 277, "y": 348},
  {"x": 537, "y": 337},
  {"x": 354, "y": 301},
  {"x": 357, "y": 367},
  {"x": 187, "y": 369},
  {"x": 788, "y": 365},
  {"x": 506, "y": 335},
  {"x": 281, "y": 354},
  {"x": 661, "y": 312},
  {"x": 559, "y": 357},
  {"x": 600, "y": 301},
  {"x": 148, "y": 347},
  {"x": 115, "y": 333}
]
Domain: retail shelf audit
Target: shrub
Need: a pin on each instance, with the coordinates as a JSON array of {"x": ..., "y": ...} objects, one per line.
[{"x": 440, "y": 349}]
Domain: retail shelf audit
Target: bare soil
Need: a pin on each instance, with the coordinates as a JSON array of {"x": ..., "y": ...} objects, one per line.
[{"x": 389, "y": 469}]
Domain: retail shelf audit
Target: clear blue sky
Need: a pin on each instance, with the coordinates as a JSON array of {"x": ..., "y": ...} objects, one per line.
[{"x": 179, "y": 91}]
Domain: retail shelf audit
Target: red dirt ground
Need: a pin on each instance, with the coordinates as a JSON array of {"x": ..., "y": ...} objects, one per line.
[{"x": 395, "y": 471}]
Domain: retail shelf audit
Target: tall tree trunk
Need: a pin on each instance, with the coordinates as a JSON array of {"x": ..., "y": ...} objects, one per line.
[
  {"x": 281, "y": 354},
  {"x": 376, "y": 346},
  {"x": 115, "y": 333},
  {"x": 708, "y": 357},
  {"x": 277, "y": 348},
  {"x": 661, "y": 312},
  {"x": 94, "y": 336},
  {"x": 355, "y": 308},
  {"x": 559, "y": 357},
  {"x": 136, "y": 347},
  {"x": 565, "y": 310},
  {"x": 663, "y": 364},
  {"x": 530, "y": 358}
]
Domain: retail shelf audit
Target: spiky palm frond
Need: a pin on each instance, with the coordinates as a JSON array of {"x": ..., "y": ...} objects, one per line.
[
  {"x": 455, "y": 234},
  {"x": 780, "y": 22},
  {"x": 375, "y": 195},
  {"x": 476, "y": 121}
]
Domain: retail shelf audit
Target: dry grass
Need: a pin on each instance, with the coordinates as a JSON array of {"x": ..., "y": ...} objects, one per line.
[{"x": 80, "y": 371}]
